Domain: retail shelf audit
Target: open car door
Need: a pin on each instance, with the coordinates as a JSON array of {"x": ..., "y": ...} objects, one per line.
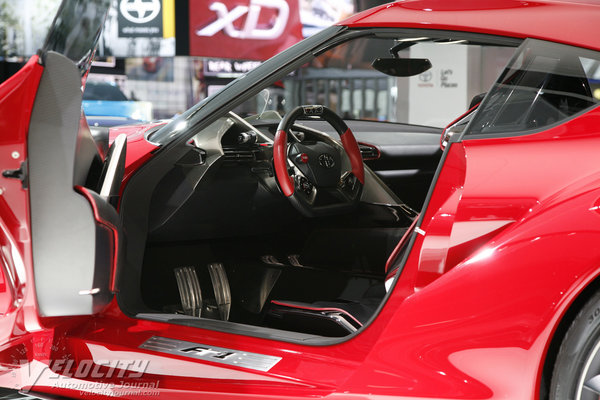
[{"x": 58, "y": 232}]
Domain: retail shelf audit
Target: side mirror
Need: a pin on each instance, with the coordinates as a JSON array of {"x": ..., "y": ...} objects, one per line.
[
  {"x": 448, "y": 133},
  {"x": 401, "y": 66},
  {"x": 456, "y": 127},
  {"x": 459, "y": 124}
]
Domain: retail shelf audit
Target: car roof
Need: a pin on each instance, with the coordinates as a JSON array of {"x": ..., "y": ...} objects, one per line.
[{"x": 570, "y": 22}]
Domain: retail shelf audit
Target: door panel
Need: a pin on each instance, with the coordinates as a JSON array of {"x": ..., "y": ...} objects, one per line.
[
  {"x": 407, "y": 163},
  {"x": 64, "y": 231}
]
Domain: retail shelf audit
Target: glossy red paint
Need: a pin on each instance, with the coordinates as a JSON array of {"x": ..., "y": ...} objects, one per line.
[
  {"x": 116, "y": 337},
  {"x": 507, "y": 243},
  {"x": 451, "y": 335},
  {"x": 556, "y": 21},
  {"x": 139, "y": 150},
  {"x": 472, "y": 298},
  {"x": 17, "y": 298}
]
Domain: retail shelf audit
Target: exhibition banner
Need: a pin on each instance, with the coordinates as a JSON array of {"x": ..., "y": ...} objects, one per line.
[
  {"x": 140, "y": 18},
  {"x": 243, "y": 29},
  {"x": 139, "y": 28}
]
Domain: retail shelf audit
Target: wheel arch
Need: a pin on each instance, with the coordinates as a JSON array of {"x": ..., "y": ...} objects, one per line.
[{"x": 560, "y": 330}]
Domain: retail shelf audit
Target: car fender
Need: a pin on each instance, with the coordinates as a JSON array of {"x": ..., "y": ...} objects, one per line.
[{"x": 490, "y": 319}]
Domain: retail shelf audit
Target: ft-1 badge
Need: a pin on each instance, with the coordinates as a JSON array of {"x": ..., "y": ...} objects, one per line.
[{"x": 238, "y": 358}]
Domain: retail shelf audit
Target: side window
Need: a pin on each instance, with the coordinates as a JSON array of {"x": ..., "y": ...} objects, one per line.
[{"x": 545, "y": 83}]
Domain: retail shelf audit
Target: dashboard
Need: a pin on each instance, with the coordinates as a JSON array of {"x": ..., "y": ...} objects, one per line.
[{"x": 232, "y": 183}]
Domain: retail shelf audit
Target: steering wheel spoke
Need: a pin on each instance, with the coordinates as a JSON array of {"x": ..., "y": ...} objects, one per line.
[
  {"x": 349, "y": 186},
  {"x": 317, "y": 165},
  {"x": 304, "y": 188}
]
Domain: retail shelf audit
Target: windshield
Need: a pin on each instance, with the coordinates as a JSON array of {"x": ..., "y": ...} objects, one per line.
[
  {"x": 342, "y": 77},
  {"x": 242, "y": 89}
]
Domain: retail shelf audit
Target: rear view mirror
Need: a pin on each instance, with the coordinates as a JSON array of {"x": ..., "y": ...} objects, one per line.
[{"x": 401, "y": 66}]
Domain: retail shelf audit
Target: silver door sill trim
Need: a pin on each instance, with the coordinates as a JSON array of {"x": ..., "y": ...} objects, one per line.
[{"x": 237, "y": 358}]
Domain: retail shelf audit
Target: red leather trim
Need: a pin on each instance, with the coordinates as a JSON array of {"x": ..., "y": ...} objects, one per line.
[
  {"x": 400, "y": 245},
  {"x": 372, "y": 146},
  {"x": 391, "y": 273},
  {"x": 110, "y": 227},
  {"x": 323, "y": 309},
  {"x": 280, "y": 161},
  {"x": 351, "y": 147}
]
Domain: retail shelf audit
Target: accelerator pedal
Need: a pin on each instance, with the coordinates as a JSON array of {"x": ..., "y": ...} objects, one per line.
[
  {"x": 189, "y": 290},
  {"x": 221, "y": 288}
]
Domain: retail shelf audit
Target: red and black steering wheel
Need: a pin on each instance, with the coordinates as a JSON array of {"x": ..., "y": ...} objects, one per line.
[{"x": 310, "y": 173}]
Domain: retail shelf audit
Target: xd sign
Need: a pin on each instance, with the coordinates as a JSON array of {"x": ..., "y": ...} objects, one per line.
[
  {"x": 250, "y": 30},
  {"x": 243, "y": 29}
]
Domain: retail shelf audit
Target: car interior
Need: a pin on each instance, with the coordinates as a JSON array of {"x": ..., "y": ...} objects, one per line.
[
  {"x": 222, "y": 242},
  {"x": 212, "y": 240},
  {"x": 260, "y": 255}
]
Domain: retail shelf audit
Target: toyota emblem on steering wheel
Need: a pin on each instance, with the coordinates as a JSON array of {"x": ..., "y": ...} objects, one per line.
[{"x": 326, "y": 160}]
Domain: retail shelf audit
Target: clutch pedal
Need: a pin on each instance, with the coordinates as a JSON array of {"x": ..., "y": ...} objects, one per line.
[{"x": 189, "y": 290}]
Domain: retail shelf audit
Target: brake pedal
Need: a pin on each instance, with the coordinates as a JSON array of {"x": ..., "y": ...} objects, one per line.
[
  {"x": 189, "y": 290},
  {"x": 221, "y": 287}
]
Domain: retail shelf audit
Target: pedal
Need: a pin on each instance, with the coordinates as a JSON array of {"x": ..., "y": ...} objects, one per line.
[
  {"x": 220, "y": 285},
  {"x": 189, "y": 290},
  {"x": 271, "y": 260},
  {"x": 294, "y": 260}
]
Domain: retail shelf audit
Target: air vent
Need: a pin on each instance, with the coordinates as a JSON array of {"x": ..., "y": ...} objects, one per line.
[
  {"x": 239, "y": 154},
  {"x": 368, "y": 152}
]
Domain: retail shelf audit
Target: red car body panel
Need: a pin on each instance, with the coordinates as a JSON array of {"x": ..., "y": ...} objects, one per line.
[
  {"x": 514, "y": 18},
  {"x": 453, "y": 350},
  {"x": 472, "y": 313},
  {"x": 17, "y": 298},
  {"x": 139, "y": 150},
  {"x": 470, "y": 332}
]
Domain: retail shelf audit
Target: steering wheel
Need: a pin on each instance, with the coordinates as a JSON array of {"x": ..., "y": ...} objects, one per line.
[{"x": 310, "y": 173}]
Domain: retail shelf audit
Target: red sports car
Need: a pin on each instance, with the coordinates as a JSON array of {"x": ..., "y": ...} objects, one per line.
[{"x": 301, "y": 234}]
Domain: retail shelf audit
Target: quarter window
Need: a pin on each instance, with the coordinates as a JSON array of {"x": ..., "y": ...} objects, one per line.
[{"x": 545, "y": 83}]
